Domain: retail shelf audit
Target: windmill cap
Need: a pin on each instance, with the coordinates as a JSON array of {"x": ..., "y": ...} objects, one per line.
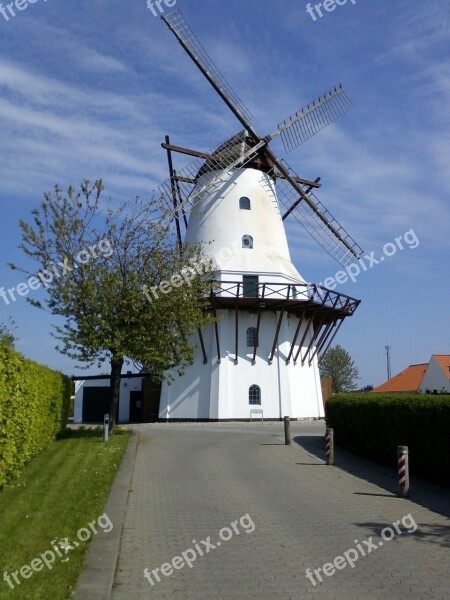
[{"x": 230, "y": 151}]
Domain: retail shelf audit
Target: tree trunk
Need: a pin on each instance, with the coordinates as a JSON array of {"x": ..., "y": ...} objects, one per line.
[{"x": 116, "y": 371}]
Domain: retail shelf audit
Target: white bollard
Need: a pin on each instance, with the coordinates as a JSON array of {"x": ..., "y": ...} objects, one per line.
[{"x": 106, "y": 428}]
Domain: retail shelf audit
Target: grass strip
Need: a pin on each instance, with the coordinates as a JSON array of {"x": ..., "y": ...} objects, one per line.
[{"x": 60, "y": 491}]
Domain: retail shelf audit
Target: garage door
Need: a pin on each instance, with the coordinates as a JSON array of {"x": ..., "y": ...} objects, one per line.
[{"x": 95, "y": 404}]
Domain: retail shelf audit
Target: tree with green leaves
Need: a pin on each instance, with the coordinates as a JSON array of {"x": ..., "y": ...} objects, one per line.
[
  {"x": 7, "y": 337},
  {"x": 339, "y": 366},
  {"x": 97, "y": 266}
]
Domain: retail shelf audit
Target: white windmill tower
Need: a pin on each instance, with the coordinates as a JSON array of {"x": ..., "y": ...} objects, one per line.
[{"x": 273, "y": 327}]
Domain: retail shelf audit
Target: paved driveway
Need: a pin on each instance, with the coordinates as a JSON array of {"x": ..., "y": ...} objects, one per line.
[{"x": 252, "y": 515}]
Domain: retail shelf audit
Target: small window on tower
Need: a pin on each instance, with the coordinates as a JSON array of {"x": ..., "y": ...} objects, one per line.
[
  {"x": 254, "y": 395},
  {"x": 247, "y": 242},
  {"x": 244, "y": 203}
]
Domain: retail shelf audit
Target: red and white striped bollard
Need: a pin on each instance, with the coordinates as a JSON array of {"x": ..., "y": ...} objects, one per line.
[
  {"x": 329, "y": 446},
  {"x": 403, "y": 471}
]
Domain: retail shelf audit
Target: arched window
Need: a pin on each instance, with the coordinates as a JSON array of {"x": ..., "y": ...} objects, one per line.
[
  {"x": 247, "y": 242},
  {"x": 252, "y": 337},
  {"x": 254, "y": 395},
  {"x": 244, "y": 203}
]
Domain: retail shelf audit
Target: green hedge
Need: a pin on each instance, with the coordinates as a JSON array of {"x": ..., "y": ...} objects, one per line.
[
  {"x": 373, "y": 425},
  {"x": 34, "y": 407}
]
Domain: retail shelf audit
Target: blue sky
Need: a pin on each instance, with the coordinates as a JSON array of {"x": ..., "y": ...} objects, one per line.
[{"x": 89, "y": 90}]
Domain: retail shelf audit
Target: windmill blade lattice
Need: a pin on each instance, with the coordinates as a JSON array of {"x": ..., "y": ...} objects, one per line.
[
  {"x": 343, "y": 249},
  {"x": 314, "y": 117},
  {"x": 180, "y": 27},
  {"x": 315, "y": 218}
]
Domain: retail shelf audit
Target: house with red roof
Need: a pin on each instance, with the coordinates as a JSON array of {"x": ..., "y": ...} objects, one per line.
[
  {"x": 437, "y": 375},
  {"x": 425, "y": 378}
]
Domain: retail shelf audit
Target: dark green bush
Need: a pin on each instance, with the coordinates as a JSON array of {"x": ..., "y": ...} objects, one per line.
[
  {"x": 34, "y": 406},
  {"x": 373, "y": 425}
]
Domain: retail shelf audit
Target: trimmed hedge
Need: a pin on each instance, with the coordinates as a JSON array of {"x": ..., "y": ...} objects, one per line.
[
  {"x": 373, "y": 425},
  {"x": 34, "y": 407}
]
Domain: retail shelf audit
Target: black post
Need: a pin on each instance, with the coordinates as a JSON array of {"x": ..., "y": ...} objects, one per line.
[{"x": 287, "y": 431}]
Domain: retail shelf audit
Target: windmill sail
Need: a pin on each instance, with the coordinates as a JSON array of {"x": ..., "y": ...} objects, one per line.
[
  {"x": 184, "y": 34},
  {"x": 318, "y": 222},
  {"x": 314, "y": 117},
  {"x": 242, "y": 151}
]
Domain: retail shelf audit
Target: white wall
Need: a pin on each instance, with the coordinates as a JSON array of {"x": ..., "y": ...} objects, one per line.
[
  {"x": 127, "y": 385},
  {"x": 219, "y": 224},
  {"x": 187, "y": 397},
  {"x": 220, "y": 391},
  {"x": 434, "y": 378}
]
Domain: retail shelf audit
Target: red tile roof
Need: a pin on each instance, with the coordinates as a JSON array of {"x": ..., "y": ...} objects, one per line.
[
  {"x": 406, "y": 381},
  {"x": 443, "y": 360}
]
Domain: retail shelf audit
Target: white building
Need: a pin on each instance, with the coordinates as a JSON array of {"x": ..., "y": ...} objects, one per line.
[
  {"x": 138, "y": 398},
  {"x": 425, "y": 378},
  {"x": 263, "y": 353},
  {"x": 437, "y": 375}
]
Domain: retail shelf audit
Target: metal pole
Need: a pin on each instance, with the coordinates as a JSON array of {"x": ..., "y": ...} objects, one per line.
[
  {"x": 403, "y": 471},
  {"x": 329, "y": 446},
  {"x": 287, "y": 431},
  {"x": 388, "y": 361},
  {"x": 105, "y": 427}
]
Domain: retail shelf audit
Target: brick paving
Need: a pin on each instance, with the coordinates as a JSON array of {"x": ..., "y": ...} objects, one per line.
[{"x": 191, "y": 480}]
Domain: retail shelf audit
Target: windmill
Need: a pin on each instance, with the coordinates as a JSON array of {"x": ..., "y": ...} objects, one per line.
[{"x": 243, "y": 184}]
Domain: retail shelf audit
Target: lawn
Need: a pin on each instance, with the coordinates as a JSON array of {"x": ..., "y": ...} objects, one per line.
[{"x": 48, "y": 511}]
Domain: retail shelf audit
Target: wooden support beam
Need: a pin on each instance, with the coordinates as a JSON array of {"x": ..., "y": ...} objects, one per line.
[
  {"x": 258, "y": 323},
  {"x": 320, "y": 342},
  {"x": 174, "y": 192},
  {"x": 188, "y": 151},
  {"x": 316, "y": 331},
  {"x": 311, "y": 184},
  {"x": 327, "y": 337},
  {"x": 297, "y": 331},
  {"x": 202, "y": 344},
  {"x": 304, "y": 338},
  {"x": 184, "y": 179},
  {"x": 216, "y": 331},
  {"x": 313, "y": 338},
  {"x": 332, "y": 338},
  {"x": 277, "y": 333}
]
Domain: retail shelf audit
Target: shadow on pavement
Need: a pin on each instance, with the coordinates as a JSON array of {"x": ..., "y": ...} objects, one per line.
[
  {"x": 429, "y": 533},
  {"x": 429, "y": 495}
]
